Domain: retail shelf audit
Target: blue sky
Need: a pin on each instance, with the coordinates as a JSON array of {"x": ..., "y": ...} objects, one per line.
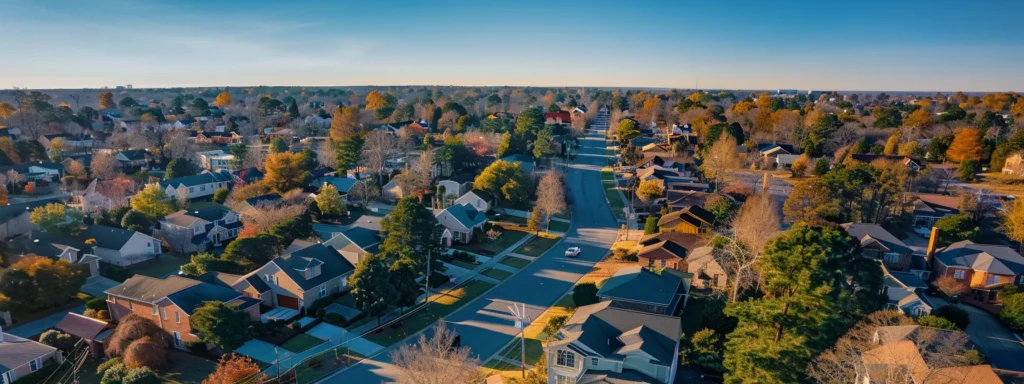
[{"x": 864, "y": 45}]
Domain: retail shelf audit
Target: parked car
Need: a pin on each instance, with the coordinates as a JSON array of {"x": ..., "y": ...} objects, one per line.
[{"x": 572, "y": 252}]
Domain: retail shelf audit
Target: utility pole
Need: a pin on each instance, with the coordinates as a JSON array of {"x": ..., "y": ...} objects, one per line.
[{"x": 522, "y": 320}]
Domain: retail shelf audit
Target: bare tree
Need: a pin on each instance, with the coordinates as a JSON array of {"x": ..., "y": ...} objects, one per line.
[
  {"x": 551, "y": 195},
  {"x": 756, "y": 223},
  {"x": 268, "y": 215},
  {"x": 434, "y": 361},
  {"x": 118, "y": 190},
  {"x": 840, "y": 363},
  {"x": 74, "y": 168},
  {"x": 721, "y": 160},
  {"x": 364, "y": 193},
  {"x": 447, "y": 121},
  {"x": 178, "y": 145},
  {"x": 376, "y": 149},
  {"x": 325, "y": 154},
  {"x": 105, "y": 166}
]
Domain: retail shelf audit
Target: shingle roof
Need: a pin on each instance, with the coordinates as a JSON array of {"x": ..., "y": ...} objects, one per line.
[
  {"x": 191, "y": 181},
  {"x": 8, "y": 212},
  {"x": 16, "y": 351},
  {"x": 627, "y": 376},
  {"x": 343, "y": 184},
  {"x": 150, "y": 289},
  {"x": 333, "y": 265},
  {"x": 639, "y": 284},
  {"x": 867, "y": 233},
  {"x": 996, "y": 259},
  {"x": 81, "y": 326},
  {"x": 106, "y": 237},
  {"x": 663, "y": 250},
  {"x": 686, "y": 240},
  {"x": 192, "y": 297},
  {"x": 693, "y": 214},
  {"x": 134, "y": 154},
  {"x": 599, "y": 326},
  {"x": 465, "y": 214},
  {"x": 186, "y": 217}
]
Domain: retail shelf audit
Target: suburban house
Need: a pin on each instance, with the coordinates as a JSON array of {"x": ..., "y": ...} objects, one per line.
[
  {"x": 344, "y": 185},
  {"x": 214, "y": 160},
  {"x": 284, "y": 134},
  {"x": 1014, "y": 165},
  {"x": 195, "y": 230},
  {"x": 878, "y": 244},
  {"x": 196, "y": 186},
  {"x": 479, "y": 200},
  {"x": 120, "y": 246},
  {"x": 982, "y": 267},
  {"x": 527, "y": 163},
  {"x": 707, "y": 271},
  {"x": 604, "y": 344},
  {"x": 665, "y": 254},
  {"x": 54, "y": 246},
  {"x": 74, "y": 141},
  {"x": 353, "y": 244},
  {"x": 906, "y": 293},
  {"x": 579, "y": 113},
  {"x": 642, "y": 289},
  {"x": 912, "y": 163},
  {"x": 304, "y": 273},
  {"x": 14, "y": 218},
  {"x": 133, "y": 159},
  {"x": 104, "y": 194},
  {"x": 929, "y": 208},
  {"x": 171, "y": 301},
  {"x": 48, "y": 171},
  {"x": 898, "y": 356},
  {"x": 459, "y": 222},
  {"x": 560, "y": 117},
  {"x": 392, "y": 191},
  {"x": 216, "y": 138},
  {"x": 679, "y": 199},
  {"x": 770, "y": 151},
  {"x": 20, "y": 357},
  {"x": 93, "y": 332},
  {"x": 455, "y": 185},
  {"x": 692, "y": 219},
  {"x": 248, "y": 175}
]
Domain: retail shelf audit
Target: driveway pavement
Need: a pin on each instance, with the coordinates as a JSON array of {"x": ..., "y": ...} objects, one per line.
[
  {"x": 485, "y": 324},
  {"x": 992, "y": 338},
  {"x": 262, "y": 351}
]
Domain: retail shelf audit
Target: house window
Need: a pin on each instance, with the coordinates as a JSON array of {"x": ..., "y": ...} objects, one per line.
[
  {"x": 566, "y": 359},
  {"x": 992, "y": 279},
  {"x": 650, "y": 262},
  {"x": 163, "y": 313},
  {"x": 191, "y": 189},
  {"x": 268, "y": 277},
  {"x": 892, "y": 257},
  {"x": 177, "y": 317},
  {"x": 177, "y": 339},
  {"x": 593, "y": 361},
  {"x": 323, "y": 290},
  {"x": 34, "y": 365},
  {"x": 663, "y": 263},
  {"x": 958, "y": 274},
  {"x": 562, "y": 379},
  {"x": 202, "y": 187}
]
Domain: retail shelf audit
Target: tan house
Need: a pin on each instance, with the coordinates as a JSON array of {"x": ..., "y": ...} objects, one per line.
[
  {"x": 171, "y": 301},
  {"x": 104, "y": 194},
  {"x": 304, "y": 273},
  {"x": 20, "y": 357},
  {"x": 664, "y": 254},
  {"x": 707, "y": 272},
  {"x": 1014, "y": 165},
  {"x": 692, "y": 219}
]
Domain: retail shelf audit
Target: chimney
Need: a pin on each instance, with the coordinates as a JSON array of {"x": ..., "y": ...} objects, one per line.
[{"x": 933, "y": 241}]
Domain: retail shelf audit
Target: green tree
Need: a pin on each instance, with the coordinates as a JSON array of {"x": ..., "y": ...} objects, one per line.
[
  {"x": 958, "y": 316},
  {"x": 505, "y": 179},
  {"x": 371, "y": 285},
  {"x": 293, "y": 110},
  {"x": 584, "y": 294},
  {"x": 651, "y": 225},
  {"x": 238, "y": 153},
  {"x": 135, "y": 221},
  {"x": 403, "y": 283},
  {"x": 251, "y": 251},
  {"x": 542, "y": 144},
  {"x": 220, "y": 325},
  {"x": 1012, "y": 313},
  {"x": 936, "y": 322},
  {"x": 821, "y": 167},
  {"x": 957, "y": 227},
  {"x": 347, "y": 155},
  {"x": 627, "y": 130},
  {"x": 411, "y": 232},
  {"x": 278, "y": 145},
  {"x": 57, "y": 218},
  {"x": 181, "y": 168},
  {"x": 152, "y": 202},
  {"x": 703, "y": 350},
  {"x": 221, "y": 195},
  {"x": 967, "y": 170},
  {"x": 329, "y": 201}
]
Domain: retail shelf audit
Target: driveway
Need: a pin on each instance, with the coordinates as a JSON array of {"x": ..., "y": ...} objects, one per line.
[
  {"x": 992, "y": 338},
  {"x": 262, "y": 351},
  {"x": 485, "y": 324},
  {"x": 338, "y": 335}
]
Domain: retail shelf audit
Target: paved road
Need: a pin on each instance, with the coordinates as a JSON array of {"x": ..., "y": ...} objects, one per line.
[
  {"x": 484, "y": 324},
  {"x": 992, "y": 338}
]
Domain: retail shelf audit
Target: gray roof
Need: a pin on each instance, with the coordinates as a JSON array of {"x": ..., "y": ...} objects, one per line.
[
  {"x": 192, "y": 297},
  {"x": 638, "y": 284},
  {"x": 996, "y": 259},
  {"x": 343, "y": 184},
  {"x": 8, "y": 212},
  {"x": 203, "y": 178},
  {"x": 134, "y": 154},
  {"x": 612, "y": 332},
  {"x": 332, "y": 267},
  {"x": 45, "y": 244},
  {"x": 868, "y": 233},
  {"x": 16, "y": 351},
  {"x": 465, "y": 214},
  {"x": 627, "y": 376},
  {"x": 106, "y": 237},
  {"x": 150, "y": 289},
  {"x": 186, "y": 217}
]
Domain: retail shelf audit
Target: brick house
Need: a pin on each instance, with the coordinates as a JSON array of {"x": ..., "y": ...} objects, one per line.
[{"x": 304, "y": 273}]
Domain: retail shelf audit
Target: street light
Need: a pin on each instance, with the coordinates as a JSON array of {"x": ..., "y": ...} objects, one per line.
[{"x": 522, "y": 320}]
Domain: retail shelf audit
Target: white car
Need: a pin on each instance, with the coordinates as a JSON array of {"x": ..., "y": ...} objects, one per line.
[{"x": 572, "y": 252}]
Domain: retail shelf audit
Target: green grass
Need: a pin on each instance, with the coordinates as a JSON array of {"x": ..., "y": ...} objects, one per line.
[
  {"x": 506, "y": 218},
  {"x": 558, "y": 226},
  {"x": 536, "y": 246},
  {"x": 500, "y": 365},
  {"x": 507, "y": 239},
  {"x": 496, "y": 274},
  {"x": 614, "y": 200},
  {"x": 331, "y": 360},
  {"x": 459, "y": 263},
  {"x": 441, "y": 305},
  {"x": 158, "y": 267},
  {"x": 301, "y": 342},
  {"x": 183, "y": 368},
  {"x": 566, "y": 301},
  {"x": 514, "y": 262},
  {"x": 534, "y": 350}
]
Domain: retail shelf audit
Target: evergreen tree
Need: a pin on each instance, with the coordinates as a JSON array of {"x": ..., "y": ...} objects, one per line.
[
  {"x": 371, "y": 284},
  {"x": 411, "y": 232}
]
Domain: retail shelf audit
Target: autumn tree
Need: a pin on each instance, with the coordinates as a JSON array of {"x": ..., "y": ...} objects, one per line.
[
  {"x": 57, "y": 218},
  {"x": 966, "y": 145},
  {"x": 223, "y": 99},
  {"x": 107, "y": 100},
  {"x": 105, "y": 166},
  {"x": 800, "y": 166},
  {"x": 329, "y": 201},
  {"x": 7, "y": 110},
  {"x": 232, "y": 369},
  {"x": 840, "y": 363},
  {"x": 433, "y": 360},
  {"x": 75, "y": 169},
  {"x": 284, "y": 171},
  {"x": 721, "y": 160},
  {"x": 1014, "y": 222},
  {"x": 648, "y": 190},
  {"x": 755, "y": 224},
  {"x": 950, "y": 286},
  {"x": 551, "y": 195},
  {"x": 152, "y": 201},
  {"x": 48, "y": 282},
  {"x": 344, "y": 123}
]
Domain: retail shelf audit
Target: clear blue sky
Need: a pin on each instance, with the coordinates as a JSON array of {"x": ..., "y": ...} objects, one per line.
[{"x": 832, "y": 45}]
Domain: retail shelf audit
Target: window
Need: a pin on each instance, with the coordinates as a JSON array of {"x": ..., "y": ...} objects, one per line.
[
  {"x": 163, "y": 313},
  {"x": 958, "y": 274},
  {"x": 323, "y": 290},
  {"x": 177, "y": 317},
  {"x": 650, "y": 262},
  {"x": 562, "y": 379},
  {"x": 191, "y": 189},
  {"x": 202, "y": 187},
  {"x": 593, "y": 361},
  {"x": 9, "y": 377},
  {"x": 892, "y": 257},
  {"x": 177, "y": 339},
  {"x": 663, "y": 263},
  {"x": 34, "y": 365},
  {"x": 566, "y": 359},
  {"x": 268, "y": 277},
  {"x": 992, "y": 279}
]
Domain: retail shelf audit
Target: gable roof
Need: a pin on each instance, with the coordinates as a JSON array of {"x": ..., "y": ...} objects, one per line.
[
  {"x": 663, "y": 250},
  {"x": 995, "y": 259},
  {"x": 206, "y": 177},
  {"x": 150, "y": 289},
  {"x": 465, "y": 214},
  {"x": 81, "y": 326},
  {"x": 343, "y": 184},
  {"x": 106, "y": 237},
  {"x": 17, "y": 351},
  {"x": 930, "y": 204},
  {"x": 190, "y": 298},
  {"x": 600, "y": 327},
  {"x": 44, "y": 244},
  {"x": 482, "y": 195},
  {"x": 693, "y": 214},
  {"x": 134, "y": 154},
  {"x": 332, "y": 265},
  {"x": 210, "y": 214},
  {"x": 8, "y": 212},
  {"x": 869, "y": 233},
  {"x": 686, "y": 240},
  {"x": 638, "y": 284}
]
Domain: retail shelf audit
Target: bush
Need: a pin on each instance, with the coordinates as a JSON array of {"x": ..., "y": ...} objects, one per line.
[
  {"x": 221, "y": 195},
  {"x": 624, "y": 254},
  {"x": 438, "y": 279},
  {"x": 140, "y": 376},
  {"x": 296, "y": 325},
  {"x": 554, "y": 324},
  {"x": 955, "y": 314},
  {"x": 103, "y": 314},
  {"x": 651, "y": 225},
  {"x": 334, "y": 319},
  {"x": 114, "y": 374},
  {"x": 463, "y": 256},
  {"x": 58, "y": 339},
  {"x": 584, "y": 294},
  {"x": 114, "y": 272},
  {"x": 103, "y": 367},
  {"x": 936, "y": 322},
  {"x": 146, "y": 352},
  {"x": 97, "y": 303},
  {"x": 1013, "y": 312}
]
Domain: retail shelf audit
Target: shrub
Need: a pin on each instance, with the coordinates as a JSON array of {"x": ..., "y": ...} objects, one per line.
[
  {"x": 90, "y": 313},
  {"x": 58, "y": 339},
  {"x": 96, "y": 303},
  {"x": 296, "y": 325},
  {"x": 103, "y": 314},
  {"x": 334, "y": 319},
  {"x": 114, "y": 374},
  {"x": 103, "y": 367},
  {"x": 955, "y": 314},
  {"x": 114, "y": 272},
  {"x": 1013, "y": 312},
  {"x": 936, "y": 322},
  {"x": 438, "y": 279},
  {"x": 463, "y": 256},
  {"x": 131, "y": 329},
  {"x": 584, "y": 294},
  {"x": 624, "y": 254},
  {"x": 554, "y": 324},
  {"x": 146, "y": 352},
  {"x": 140, "y": 376},
  {"x": 221, "y": 195}
]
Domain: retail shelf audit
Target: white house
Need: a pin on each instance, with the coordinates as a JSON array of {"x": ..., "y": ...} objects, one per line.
[
  {"x": 194, "y": 230},
  {"x": 132, "y": 159},
  {"x": 195, "y": 186},
  {"x": 456, "y": 185},
  {"x": 460, "y": 221},
  {"x": 218, "y": 159},
  {"x": 479, "y": 200},
  {"x": 120, "y": 246},
  {"x": 105, "y": 194}
]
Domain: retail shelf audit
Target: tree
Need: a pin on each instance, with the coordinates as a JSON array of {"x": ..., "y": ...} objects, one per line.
[
  {"x": 232, "y": 369},
  {"x": 809, "y": 278},
  {"x": 135, "y": 221},
  {"x": 956, "y": 228},
  {"x": 810, "y": 202},
  {"x": 434, "y": 361},
  {"x": 329, "y": 201},
  {"x": 371, "y": 285},
  {"x": 950, "y": 286},
  {"x": 57, "y": 218},
  {"x": 651, "y": 225},
  {"x": 223, "y": 99},
  {"x": 141, "y": 375},
  {"x": 799, "y": 166},
  {"x": 648, "y": 190},
  {"x": 966, "y": 145},
  {"x": 627, "y": 130},
  {"x": 841, "y": 363},
  {"x": 403, "y": 283},
  {"x": 968, "y": 169},
  {"x": 410, "y": 232},
  {"x": 105, "y": 166},
  {"x": 134, "y": 329},
  {"x": 720, "y": 160},
  {"x": 344, "y": 123},
  {"x": 278, "y": 145},
  {"x": 703, "y": 350},
  {"x": 936, "y": 322},
  {"x": 284, "y": 172},
  {"x": 756, "y": 223},
  {"x": 958, "y": 316},
  {"x": 107, "y": 100},
  {"x": 58, "y": 149},
  {"x": 221, "y": 195},
  {"x": 7, "y": 110},
  {"x": 551, "y": 195},
  {"x": 152, "y": 202},
  {"x": 1013, "y": 221},
  {"x": 1012, "y": 313},
  {"x": 584, "y": 294},
  {"x": 221, "y": 325},
  {"x": 181, "y": 167},
  {"x": 821, "y": 167},
  {"x": 506, "y": 180},
  {"x": 58, "y": 339}
]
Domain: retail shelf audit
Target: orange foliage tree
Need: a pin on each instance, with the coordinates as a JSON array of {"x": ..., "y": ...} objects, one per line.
[
  {"x": 233, "y": 369},
  {"x": 966, "y": 145}
]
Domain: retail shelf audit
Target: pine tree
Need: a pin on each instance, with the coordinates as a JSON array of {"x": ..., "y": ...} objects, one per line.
[
  {"x": 371, "y": 285},
  {"x": 966, "y": 145}
]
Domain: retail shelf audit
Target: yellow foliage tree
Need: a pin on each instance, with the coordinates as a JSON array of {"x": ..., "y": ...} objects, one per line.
[
  {"x": 649, "y": 190},
  {"x": 284, "y": 171},
  {"x": 344, "y": 123},
  {"x": 223, "y": 99},
  {"x": 152, "y": 202},
  {"x": 7, "y": 146},
  {"x": 742, "y": 107},
  {"x": 966, "y": 145},
  {"x": 7, "y": 110},
  {"x": 107, "y": 100},
  {"x": 375, "y": 100},
  {"x": 920, "y": 118},
  {"x": 892, "y": 145}
]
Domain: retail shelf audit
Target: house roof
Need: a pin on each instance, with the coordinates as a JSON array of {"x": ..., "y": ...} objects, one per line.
[
  {"x": 930, "y": 204},
  {"x": 524, "y": 161},
  {"x": 995, "y": 259},
  {"x": 686, "y": 240},
  {"x": 210, "y": 214},
  {"x": 134, "y": 154},
  {"x": 601, "y": 328},
  {"x": 483, "y": 195},
  {"x": 16, "y": 351},
  {"x": 693, "y": 214},
  {"x": 564, "y": 115},
  {"x": 465, "y": 215},
  {"x": 190, "y": 298},
  {"x": 638, "y": 284},
  {"x": 462, "y": 178},
  {"x": 206, "y": 177},
  {"x": 775, "y": 147},
  {"x": 81, "y": 326},
  {"x": 253, "y": 201},
  {"x": 332, "y": 265},
  {"x": 685, "y": 198},
  {"x": 874, "y": 233},
  {"x": 106, "y": 237},
  {"x": 899, "y": 351},
  {"x": 150, "y": 289},
  {"x": 8, "y": 212},
  {"x": 44, "y": 244},
  {"x": 627, "y": 376},
  {"x": 343, "y": 184},
  {"x": 899, "y": 355},
  {"x": 663, "y": 250},
  {"x": 248, "y": 175}
]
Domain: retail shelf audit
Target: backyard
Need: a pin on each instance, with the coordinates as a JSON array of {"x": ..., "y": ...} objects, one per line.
[
  {"x": 158, "y": 267},
  {"x": 490, "y": 248},
  {"x": 537, "y": 246},
  {"x": 440, "y": 305}
]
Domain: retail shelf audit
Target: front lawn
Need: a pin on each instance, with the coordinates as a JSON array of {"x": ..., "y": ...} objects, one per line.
[
  {"x": 183, "y": 368},
  {"x": 301, "y": 342},
  {"x": 496, "y": 274},
  {"x": 514, "y": 262},
  {"x": 614, "y": 199},
  {"x": 537, "y": 246},
  {"x": 329, "y": 361},
  {"x": 506, "y": 218},
  {"x": 440, "y": 305},
  {"x": 491, "y": 248},
  {"x": 158, "y": 267},
  {"x": 558, "y": 226},
  {"x": 459, "y": 263}
]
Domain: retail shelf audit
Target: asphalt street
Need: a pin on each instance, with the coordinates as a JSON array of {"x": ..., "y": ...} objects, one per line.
[{"x": 485, "y": 324}]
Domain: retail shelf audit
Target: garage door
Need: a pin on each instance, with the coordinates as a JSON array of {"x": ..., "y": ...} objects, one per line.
[{"x": 287, "y": 302}]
